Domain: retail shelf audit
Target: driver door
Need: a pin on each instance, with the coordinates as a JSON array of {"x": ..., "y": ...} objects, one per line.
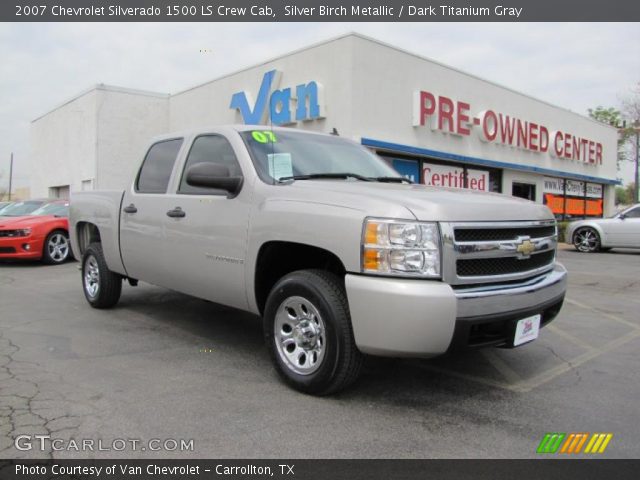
[{"x": 205, "y": 246}]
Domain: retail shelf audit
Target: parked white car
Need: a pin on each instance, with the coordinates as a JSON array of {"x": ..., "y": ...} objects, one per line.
[{"x": 620, "y": 231}]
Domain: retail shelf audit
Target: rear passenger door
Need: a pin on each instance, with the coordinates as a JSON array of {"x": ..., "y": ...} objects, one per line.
[
  {"x": 206, "y": 247},
  {"x": 144, "y": 212}
]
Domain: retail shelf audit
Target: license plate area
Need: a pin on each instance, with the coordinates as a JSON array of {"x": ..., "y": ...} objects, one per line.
[{"x": 527, "y": 329}]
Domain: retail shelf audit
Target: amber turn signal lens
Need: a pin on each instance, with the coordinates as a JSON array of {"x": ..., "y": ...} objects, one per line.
[
  {"x": 371, "y": 234},
  {"x": 371, "y": 259}
]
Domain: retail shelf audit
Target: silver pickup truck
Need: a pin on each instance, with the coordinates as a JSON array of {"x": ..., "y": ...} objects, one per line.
[{"x": 339, "y": 254}]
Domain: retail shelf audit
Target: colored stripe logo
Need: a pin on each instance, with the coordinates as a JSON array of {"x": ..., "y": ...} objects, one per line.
[{"x": 573, "y": 443}]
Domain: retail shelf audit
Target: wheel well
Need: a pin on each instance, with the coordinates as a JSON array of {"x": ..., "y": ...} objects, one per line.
[
  {"x": 87, "y": 234},
  {"x": 276, "y": 259}
]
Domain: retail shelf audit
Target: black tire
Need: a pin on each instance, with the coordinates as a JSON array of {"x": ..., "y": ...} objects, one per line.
[
  {"x": 95, "y": 272},
  {"x": 586, "y": 240},
  {"x": 339, "y": 362},
  {"x": 57, "y": 248}
]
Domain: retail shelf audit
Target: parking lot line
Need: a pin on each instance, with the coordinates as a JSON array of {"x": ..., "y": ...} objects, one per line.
[
  {"x": 615, "y": 318},
  {"x": 555, "y": 329},
  {"x": 575, "y": 362},
  {"x": 501, "y": 366}
]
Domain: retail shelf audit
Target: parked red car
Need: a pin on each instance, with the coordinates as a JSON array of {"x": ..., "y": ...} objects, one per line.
[{"x": 42, "y": 234}]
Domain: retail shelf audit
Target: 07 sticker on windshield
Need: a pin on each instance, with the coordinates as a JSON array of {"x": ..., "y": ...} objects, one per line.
[{"x": 264, "y": 136}]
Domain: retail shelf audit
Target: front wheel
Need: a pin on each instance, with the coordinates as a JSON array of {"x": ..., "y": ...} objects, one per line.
[
  {"x": 101, "y": 286},
  {"x": 57, "y": 248},
  {"x": 308, "y": 332},
  {"x": 586, "y": 239}
]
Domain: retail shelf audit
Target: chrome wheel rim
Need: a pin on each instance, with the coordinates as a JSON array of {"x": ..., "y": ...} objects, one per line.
[
  {"x": 299, "y": 334},
  {"x": 91, "y": 276},
  {"x": 586, "y": 240},
  {"x": 58, "y": 247}
]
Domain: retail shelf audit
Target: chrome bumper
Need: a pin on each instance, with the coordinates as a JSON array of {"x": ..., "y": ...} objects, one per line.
[
  {"x": 422, "y": 318},
  {"x": 500, "y": 299}
]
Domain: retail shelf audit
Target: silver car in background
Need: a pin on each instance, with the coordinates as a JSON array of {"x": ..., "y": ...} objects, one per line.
[{"x": 620, "y": 231}]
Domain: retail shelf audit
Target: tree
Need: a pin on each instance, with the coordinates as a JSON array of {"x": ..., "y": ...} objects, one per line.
[
  {"x": 624, "y": 195},
  {"x": 614, "y": 117},
  {"x": 631, "y": 109}
]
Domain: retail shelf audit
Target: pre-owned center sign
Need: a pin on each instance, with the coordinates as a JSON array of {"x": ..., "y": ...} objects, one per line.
[{"x": 454, "y": 117}]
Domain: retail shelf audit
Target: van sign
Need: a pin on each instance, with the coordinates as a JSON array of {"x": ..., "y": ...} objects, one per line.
[{"x": 283, "y": 106}]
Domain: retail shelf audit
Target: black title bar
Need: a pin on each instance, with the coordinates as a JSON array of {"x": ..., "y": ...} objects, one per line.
[
  {"x": 290, "y": 469},
  {"x": 318, "y": 11}
]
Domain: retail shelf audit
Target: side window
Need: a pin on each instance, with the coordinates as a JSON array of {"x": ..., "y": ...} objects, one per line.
[
  {"x": 634, "y": 213},
  {"x": 157, "y": 166},
  {"x": 212, "y": 149}
]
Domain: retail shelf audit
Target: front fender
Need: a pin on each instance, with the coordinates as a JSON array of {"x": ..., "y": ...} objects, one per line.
[{"x": 335, "y": 228}]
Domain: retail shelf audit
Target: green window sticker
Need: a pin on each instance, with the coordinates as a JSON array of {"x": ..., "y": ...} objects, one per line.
[{"x": 264, "y": 136}]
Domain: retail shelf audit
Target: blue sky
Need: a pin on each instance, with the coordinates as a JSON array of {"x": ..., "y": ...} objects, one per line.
[{"x": 575, "y": 66}]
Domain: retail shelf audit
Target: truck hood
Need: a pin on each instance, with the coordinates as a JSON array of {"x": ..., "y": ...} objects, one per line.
[{"x": 426, "y": 203}]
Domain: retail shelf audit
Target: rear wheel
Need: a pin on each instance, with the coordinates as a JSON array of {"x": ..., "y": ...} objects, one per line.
[
  {"x": 586, "y": 239},
  {"x": 308, "y": 332},
  {"x": 101, "y": 286},
  {"x": 57, "y": 248}
]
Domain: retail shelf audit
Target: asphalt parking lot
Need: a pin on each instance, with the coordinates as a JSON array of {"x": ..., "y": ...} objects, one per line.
[{"x": 163, "y": 365}]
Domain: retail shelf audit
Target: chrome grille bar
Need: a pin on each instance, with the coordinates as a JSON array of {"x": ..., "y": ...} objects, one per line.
[{"x": 513, "y": 246}]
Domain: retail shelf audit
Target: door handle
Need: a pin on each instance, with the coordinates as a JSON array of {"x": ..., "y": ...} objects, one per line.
[
  {"x": 130, "y": 209},
  {"x": 176, "y": 213}
]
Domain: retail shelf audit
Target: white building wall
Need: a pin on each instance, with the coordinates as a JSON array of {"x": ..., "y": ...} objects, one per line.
[
  {"x": 97, "y": 140},
  {"x": 127, "y": 120},
  {"x": 386, "y": 78},
  {"x": 329, "y": 64},
  {"x": 63, "y": 146}
]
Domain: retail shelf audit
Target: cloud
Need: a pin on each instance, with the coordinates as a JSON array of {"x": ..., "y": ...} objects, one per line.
[{"x": 576, "y": 66}]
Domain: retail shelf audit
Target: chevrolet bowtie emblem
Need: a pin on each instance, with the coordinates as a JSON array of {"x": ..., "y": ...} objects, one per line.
[{"x": 526, "y": 248}]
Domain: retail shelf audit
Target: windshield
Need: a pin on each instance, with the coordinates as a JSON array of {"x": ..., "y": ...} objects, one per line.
[
  {"x": 279, "y": 154},
  {"x": 20, "y": 208},
  {"x": 59, "y": 209}
]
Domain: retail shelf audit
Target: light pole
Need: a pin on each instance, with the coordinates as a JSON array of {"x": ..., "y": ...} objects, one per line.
[
  {"x": 10, "y": 175},
  {"x": 636, "y": 128}
]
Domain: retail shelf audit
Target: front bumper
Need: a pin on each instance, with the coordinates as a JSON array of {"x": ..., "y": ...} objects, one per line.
[
  {"x": 21, "y": 247},
  {"x": 421, "y": 318}
]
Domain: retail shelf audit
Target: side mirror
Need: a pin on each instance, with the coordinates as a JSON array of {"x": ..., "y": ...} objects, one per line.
[
  {"x": 622, "y": 216},
  {"x": 213, "y": 175}
]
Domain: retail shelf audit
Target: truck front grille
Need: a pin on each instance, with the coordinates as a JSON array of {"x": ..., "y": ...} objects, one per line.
[
  {"x": 495, "y": 252},
  {"x": 488, "y": 234},
  {"x": 502, "y": 266}
]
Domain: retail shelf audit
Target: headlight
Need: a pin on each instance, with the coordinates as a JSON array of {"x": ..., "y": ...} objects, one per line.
[
  {"x": 405, "y": 248},
  {"x": 24, "y": 232}
]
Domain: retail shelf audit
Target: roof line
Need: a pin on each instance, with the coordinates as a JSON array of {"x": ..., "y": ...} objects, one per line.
[
  {"x": 477, "y": 77},
  {"x": 105, "y": 88},
  {"x": 271, "y": 59}
]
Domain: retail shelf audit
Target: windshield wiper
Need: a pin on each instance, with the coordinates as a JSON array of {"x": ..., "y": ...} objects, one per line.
[
  {"x": 391, "y": 179},
  {"x": 313, "y": 176}
]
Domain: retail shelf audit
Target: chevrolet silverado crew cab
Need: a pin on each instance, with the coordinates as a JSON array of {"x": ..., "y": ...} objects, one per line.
[{"x": 339, "y": 254}]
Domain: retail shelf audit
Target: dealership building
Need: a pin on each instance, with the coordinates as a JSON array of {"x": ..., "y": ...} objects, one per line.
[{"x": 435, "y": 124}]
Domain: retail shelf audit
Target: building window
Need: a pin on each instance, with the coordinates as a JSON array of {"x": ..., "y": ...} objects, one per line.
[
  {"x": 439, "y": 173},
  {"x": 61, "y": 191},
  {"x": 569, "y": 199},
  {"x": 524, "y": 190}
]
